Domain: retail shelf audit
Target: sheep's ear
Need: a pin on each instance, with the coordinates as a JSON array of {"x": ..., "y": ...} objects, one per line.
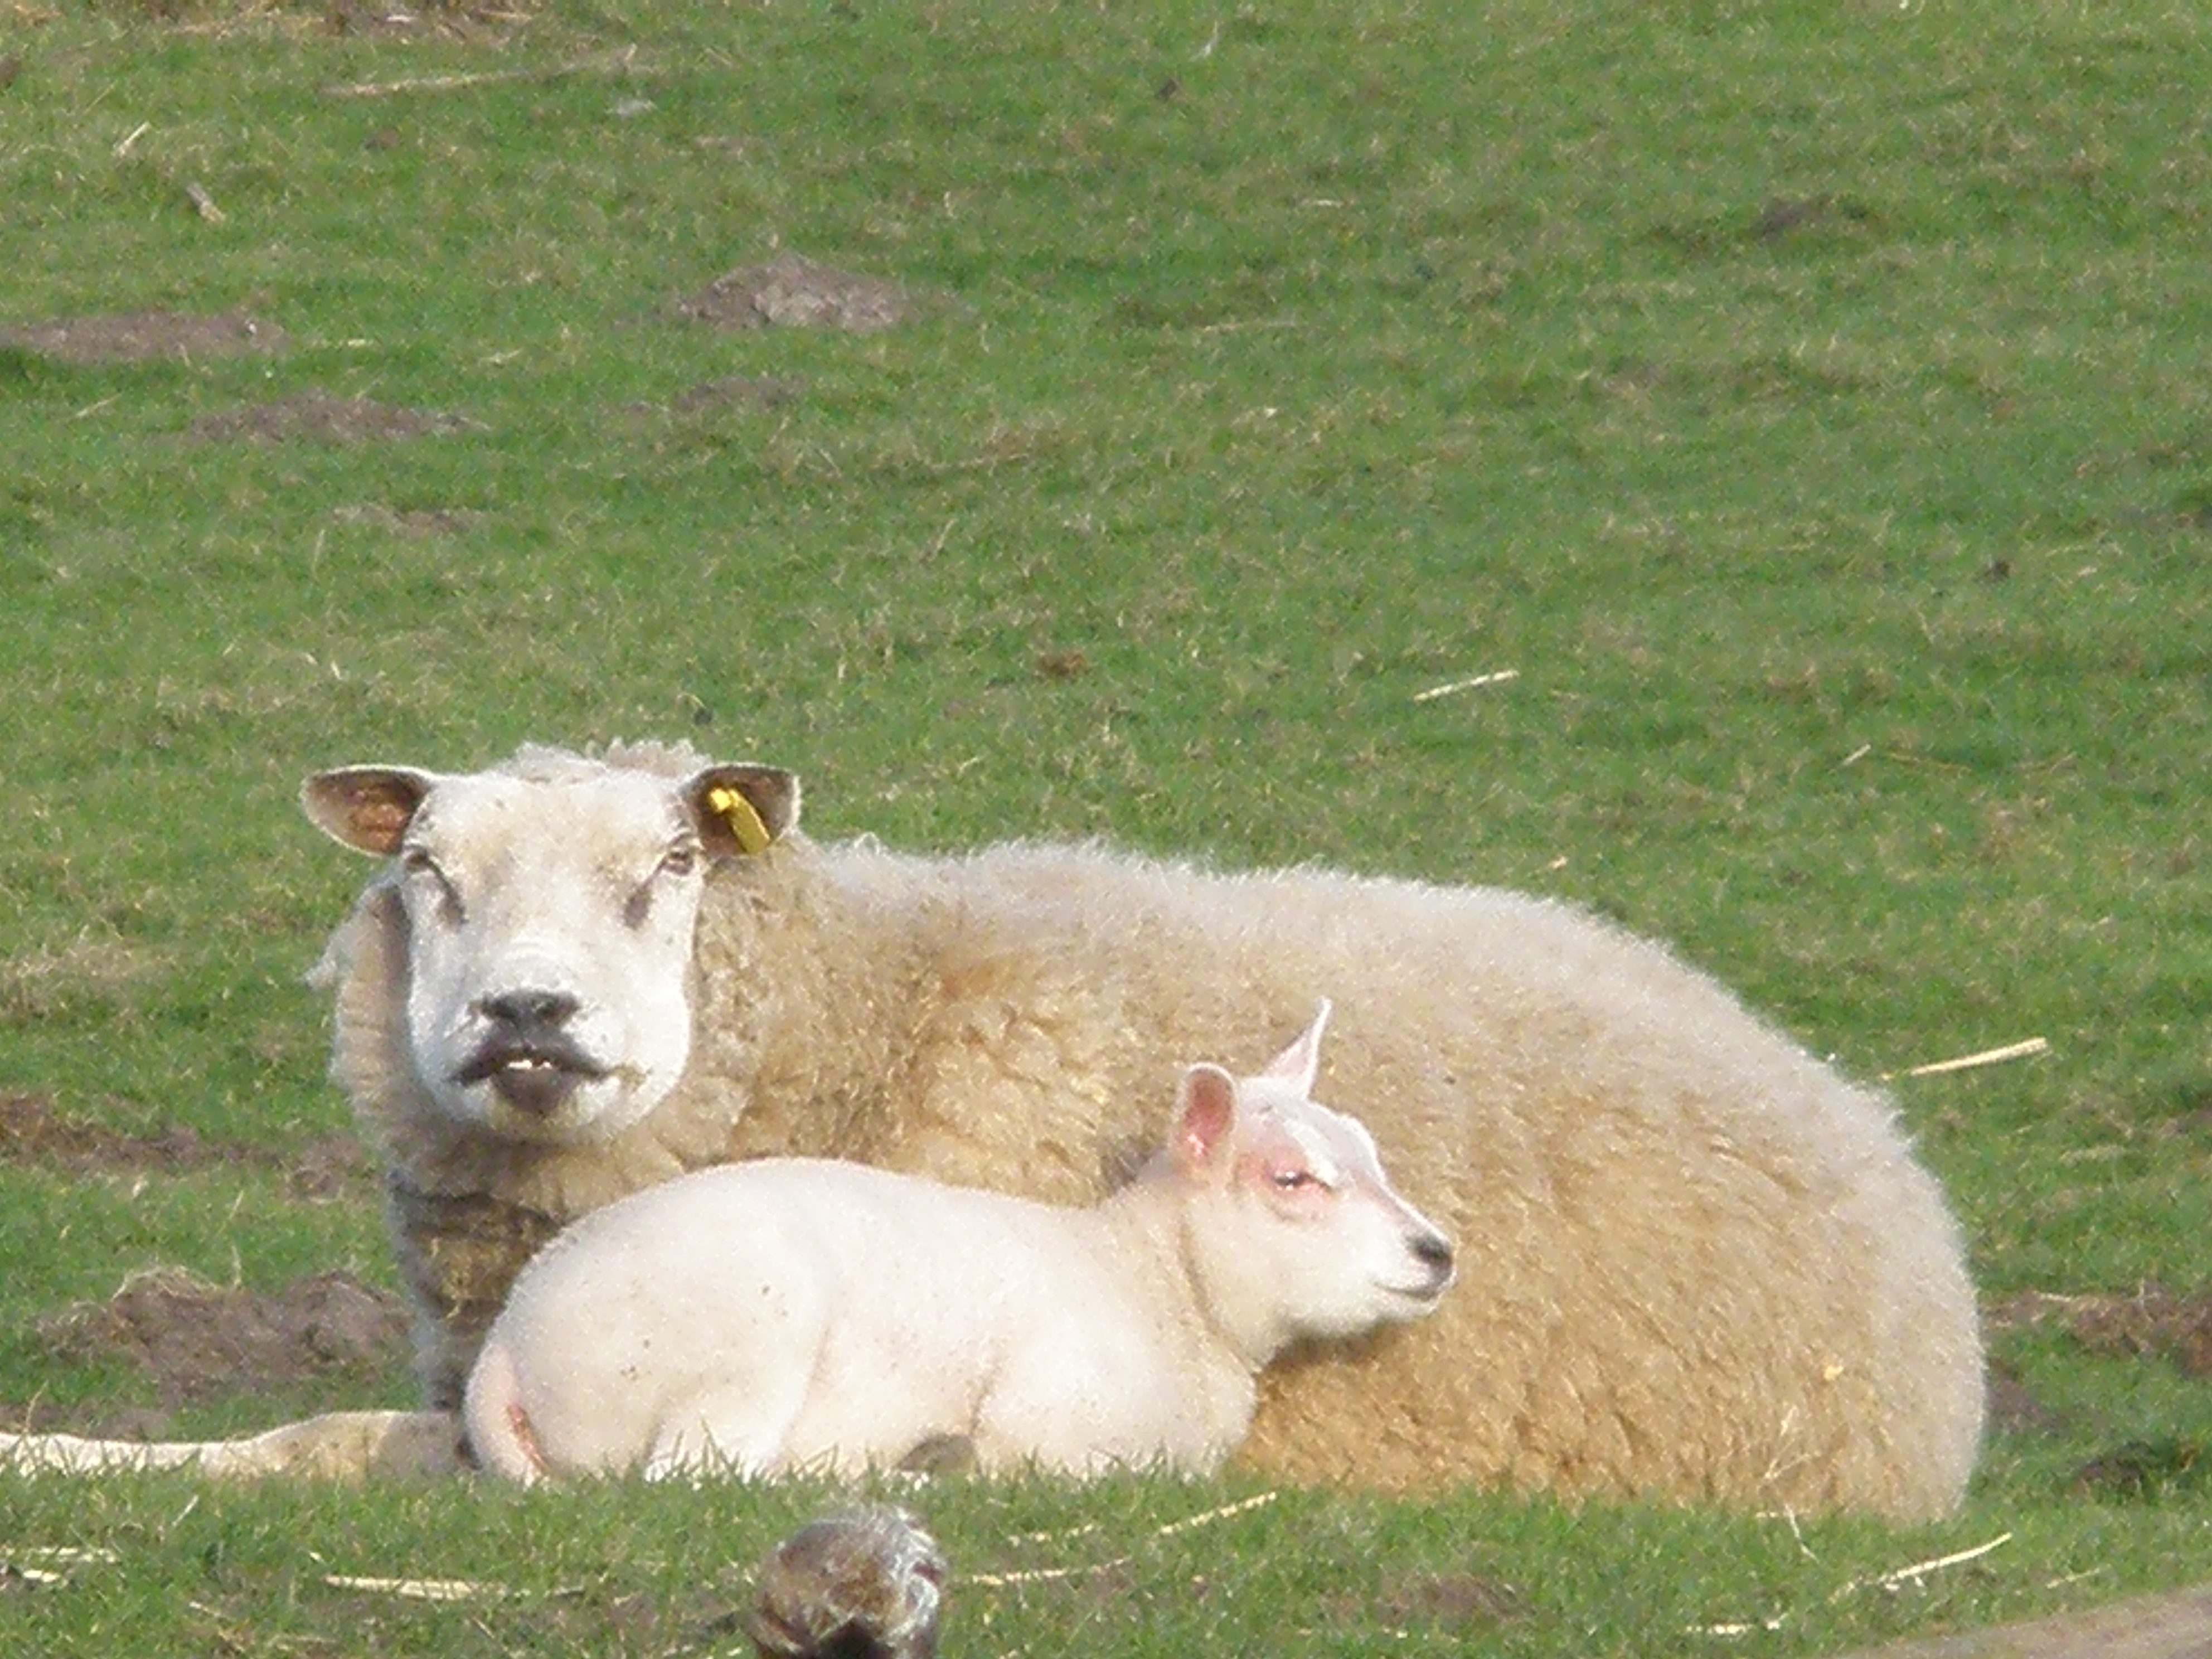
[
  {"x": 742, "y": 809},
  {"x": 1206, "y": 1113},
  {"x": 367, "y": 808},
  {"x": 1300, "y": 1063}
]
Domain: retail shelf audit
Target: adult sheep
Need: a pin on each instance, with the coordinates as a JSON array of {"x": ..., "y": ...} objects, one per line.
[{"x": 1696, "y": 1264}]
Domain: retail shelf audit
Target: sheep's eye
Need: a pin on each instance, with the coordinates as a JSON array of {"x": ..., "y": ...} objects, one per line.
[
  {"x": 1291, "y": 1180},
  {"x": 677, "y": 862},
  {"x": 418, "y": 866}
]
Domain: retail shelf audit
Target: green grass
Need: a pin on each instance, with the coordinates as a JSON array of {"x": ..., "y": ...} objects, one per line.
[{"x": 1811, "y": 401}]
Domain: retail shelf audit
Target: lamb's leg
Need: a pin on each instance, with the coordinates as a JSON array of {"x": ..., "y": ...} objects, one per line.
[{"x": 742, "y": 1431}]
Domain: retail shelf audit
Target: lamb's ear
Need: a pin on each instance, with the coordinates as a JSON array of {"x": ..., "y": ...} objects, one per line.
[
  {"x": 1206, "y": 1112},
  {"x": 1300, "y": 1063},
  {"x": 742, "y": 809},
  {"x": 367, "y": 808}
]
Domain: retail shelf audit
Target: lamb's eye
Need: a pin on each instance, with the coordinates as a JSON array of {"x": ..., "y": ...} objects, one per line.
[
  {"x": 680, "y": 862},
  {"x": 1291, "y": 1180}
]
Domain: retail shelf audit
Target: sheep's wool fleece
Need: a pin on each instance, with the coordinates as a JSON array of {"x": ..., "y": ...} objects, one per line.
[{"x": 1695, "y": 1263}]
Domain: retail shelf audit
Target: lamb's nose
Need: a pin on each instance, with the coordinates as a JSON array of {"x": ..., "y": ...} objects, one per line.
[
  {"x": 529, "y": 1009},
  {"x": 1433, "y": 1252}
]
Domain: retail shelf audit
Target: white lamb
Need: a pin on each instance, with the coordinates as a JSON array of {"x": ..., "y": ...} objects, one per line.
[{"x": 796, "y": 1313}]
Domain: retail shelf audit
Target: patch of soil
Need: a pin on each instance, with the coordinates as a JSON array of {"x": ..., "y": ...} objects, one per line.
[
  {"x": 2144, "y": 1469},
  {"x": 2016, "y": 1408},
  {"x": 792, "y": 291},
  {"x": 1061, "y": 664},
  {"x": 200, "y": 1341},
  {"x": 317, "y": 417},
  {"x": 33, "y": 1131},
  {"x": 144, "y": 336},
  {"x": 2155, "y": 1322},
  {"x": 1435, "y": 1605},
  {"x": 1447, "y": 1602}
]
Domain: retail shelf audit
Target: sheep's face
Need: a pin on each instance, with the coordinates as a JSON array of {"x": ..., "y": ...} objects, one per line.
[{"x": 549, "y": 914}]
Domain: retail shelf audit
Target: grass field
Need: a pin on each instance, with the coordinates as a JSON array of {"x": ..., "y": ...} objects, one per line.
[{"x": 1799, "y": 414}]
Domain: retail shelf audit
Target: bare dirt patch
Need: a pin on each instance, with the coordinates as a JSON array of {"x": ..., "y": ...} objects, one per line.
[
  {"x": 2015, "y": 1407},
  {"x": 2154, "y": 1322},
  {"x": 1439, "y": 1602},
  {"x": 317, "y": 417},
  {"x": 33, "y": 1131},
  {"x": 1433, "y": 1607},
  {"x": 2153, "y": 1325},
  {"x": 792, "y": 291},
  {"x": 2139, "y": 1470},
  {"x": 199, "y": 1341},
  {"x": 142, "y": 336}
]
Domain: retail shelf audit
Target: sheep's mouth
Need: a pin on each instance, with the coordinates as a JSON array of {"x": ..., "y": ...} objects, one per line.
[
  {"x": 1424, "y": 1294},
  {"x": 536, "y": 1077},
  {"x": 1419, "y": 1295}
]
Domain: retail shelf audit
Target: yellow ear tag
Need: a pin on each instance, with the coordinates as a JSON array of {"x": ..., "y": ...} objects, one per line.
[{"x": 744, "y": 823}]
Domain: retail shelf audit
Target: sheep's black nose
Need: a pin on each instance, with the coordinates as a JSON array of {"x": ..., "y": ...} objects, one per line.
[
  {"x": 528, "y": 1011},
  {"x": 1434, "y": 1252}
]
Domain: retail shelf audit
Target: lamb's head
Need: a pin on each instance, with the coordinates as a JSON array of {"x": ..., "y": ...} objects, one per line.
[
  {"x": 1294, "y": 1229},
  {"x": 549, "y": 905}
]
